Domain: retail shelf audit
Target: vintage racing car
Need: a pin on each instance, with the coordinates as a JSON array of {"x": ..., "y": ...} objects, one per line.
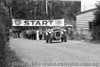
[{"x": 56, "y": 33}]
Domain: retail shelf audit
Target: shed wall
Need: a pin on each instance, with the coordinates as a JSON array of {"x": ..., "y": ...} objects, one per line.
[{"x": 82, "y": 22}]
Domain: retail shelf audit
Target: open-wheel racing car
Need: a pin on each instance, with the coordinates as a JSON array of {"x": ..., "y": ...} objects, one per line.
[{"x": 56, "y": 33}]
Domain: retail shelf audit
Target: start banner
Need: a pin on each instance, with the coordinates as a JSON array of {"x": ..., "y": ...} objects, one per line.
[{"x": 20, "y": 22}]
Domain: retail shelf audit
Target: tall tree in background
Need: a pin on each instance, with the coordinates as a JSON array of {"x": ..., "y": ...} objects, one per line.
[{"x": 36, "y": 9}]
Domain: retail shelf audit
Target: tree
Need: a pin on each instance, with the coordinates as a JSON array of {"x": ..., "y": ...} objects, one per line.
[
  {"x": 96, "y": 24},
  {"x": 36, "y": 9},
  {"x": 4, "y": 15},
  {"x": 4, "y": 22}
]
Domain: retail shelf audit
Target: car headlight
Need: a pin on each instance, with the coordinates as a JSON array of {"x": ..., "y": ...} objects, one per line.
[
  {"x": 62, "y": 32},
  {"x": 50, "y": 32}
]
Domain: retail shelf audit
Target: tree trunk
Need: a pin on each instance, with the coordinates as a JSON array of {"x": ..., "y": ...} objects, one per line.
[{"x": 2, "y": 47}]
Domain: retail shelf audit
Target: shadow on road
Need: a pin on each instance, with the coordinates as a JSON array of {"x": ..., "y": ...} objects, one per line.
[{"x": 56, "y": 42}]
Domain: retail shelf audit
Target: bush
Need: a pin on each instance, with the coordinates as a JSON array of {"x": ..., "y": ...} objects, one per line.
[
  {"x": 79, "y": 36},
  {"x": 11, "y": 57},
  {"x": 7, "y": 56},
  {"x": 96, "y": 24}
]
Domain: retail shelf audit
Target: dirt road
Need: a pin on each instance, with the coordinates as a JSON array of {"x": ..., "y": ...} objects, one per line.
[{"x": 66, "y": 54}]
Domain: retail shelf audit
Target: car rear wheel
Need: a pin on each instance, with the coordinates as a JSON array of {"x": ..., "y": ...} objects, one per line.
[
  {"x": 50, "y": 40},
  {"x": 46, "y": 40},
  {"x": 61, "y": 39},
  {"x": 65, "y": 40}
]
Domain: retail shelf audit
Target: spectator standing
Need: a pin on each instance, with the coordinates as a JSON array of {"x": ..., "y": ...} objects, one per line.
[
  {"x": 70, "y": 33},
  {"x": 37, "y": 34},
  {"x": 40, "y": 34},
  {"x": 34, "y": 34}
]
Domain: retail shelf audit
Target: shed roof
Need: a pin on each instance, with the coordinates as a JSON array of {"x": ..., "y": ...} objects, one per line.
[{"x": 86, "y": 11}]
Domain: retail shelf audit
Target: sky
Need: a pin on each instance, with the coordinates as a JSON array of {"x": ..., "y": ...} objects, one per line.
[{"x": 88, "y": 4}]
